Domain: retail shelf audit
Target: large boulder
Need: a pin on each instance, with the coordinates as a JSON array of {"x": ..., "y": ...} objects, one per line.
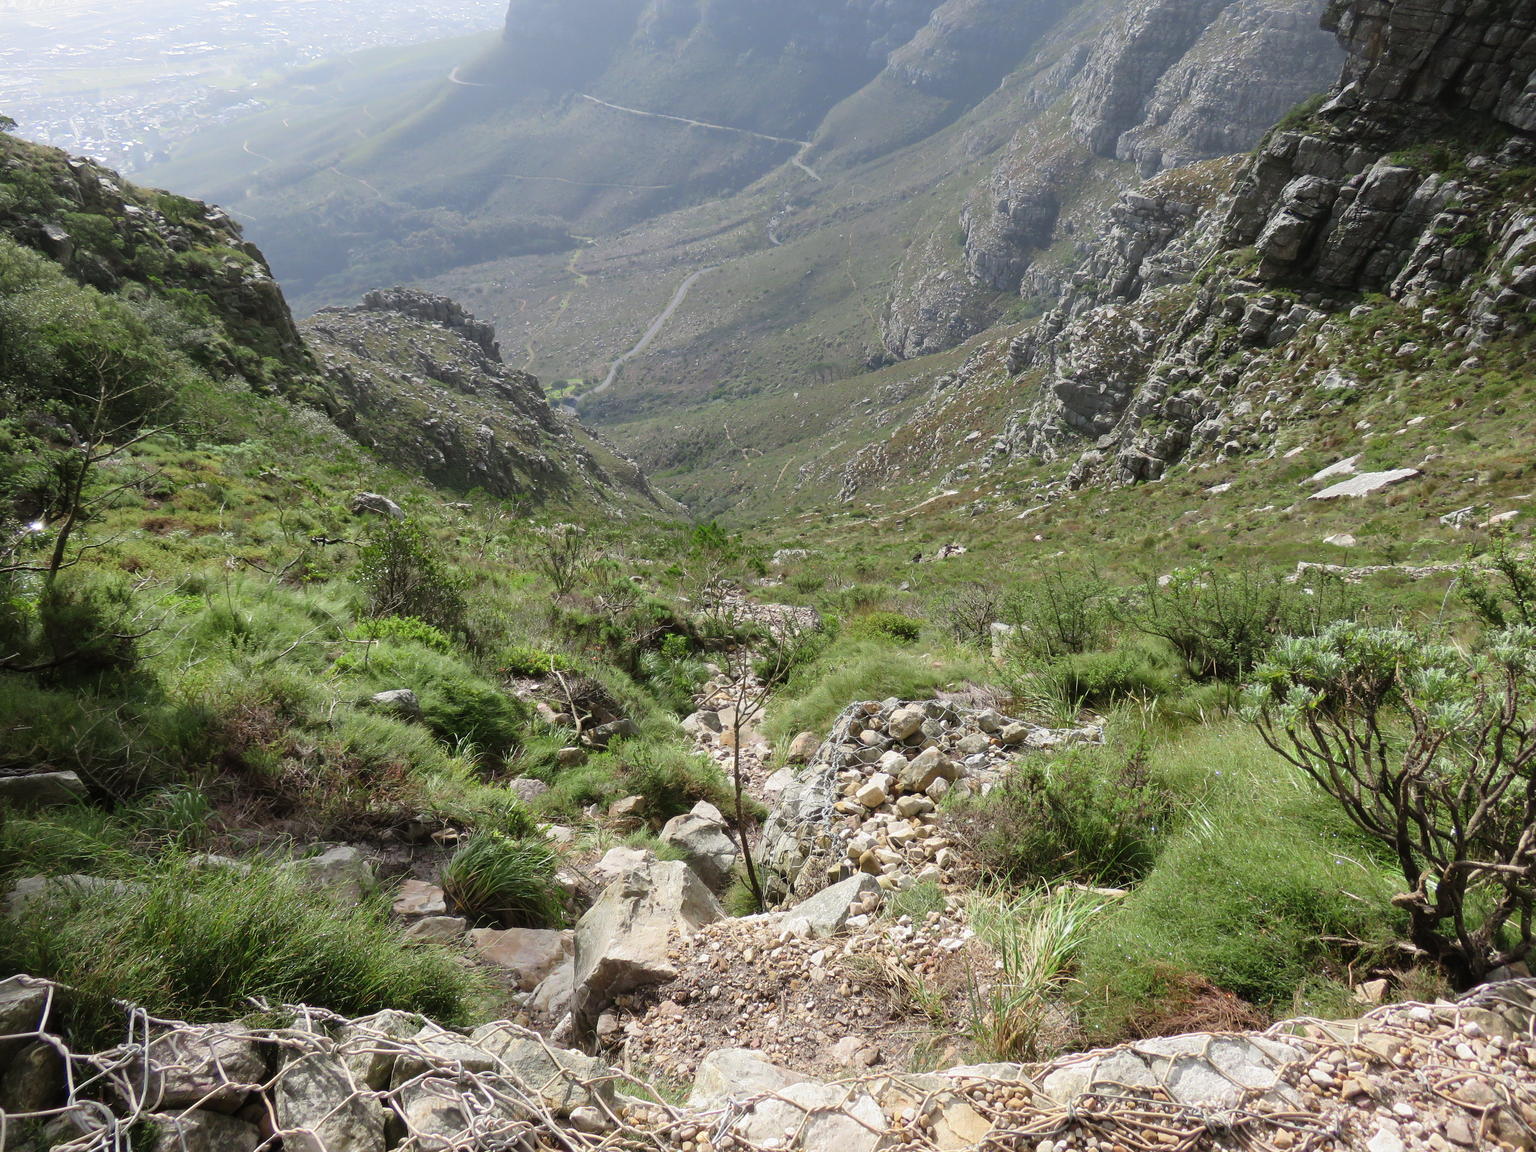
[
  {"x": 343, "y": 872},
  {"x": 706, "y": 846},
  {"x": 370, "y": 1046},
  {"x": 373, "y": 504},
  {"x": 321, "y": 1107},
  {"x": 816, "y": 1117},
  {"x": 41, "y": 790},
  {"x": 737, "y": 1074},
  {"x": 529, "y": 954},
  {"x": 441, "y": 1113},
  {"x": 200, "y": 1132},
  {"x": 619, "y": 862},
  {"x": 624, "y": 940}
]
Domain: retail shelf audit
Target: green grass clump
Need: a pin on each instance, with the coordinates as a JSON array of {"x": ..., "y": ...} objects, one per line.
[
  {"x": 496, "y": 877},
  {"x": 199, "y": 944},
  {"x": 525, "y": 660},
  {"x": 892, "y": 627},
  {"x": 1266, "y": 891},
  {"x": 1101, "y": 679},
  {"x": 670, "y": 776},
  {"x": 1093, "y": 815}
]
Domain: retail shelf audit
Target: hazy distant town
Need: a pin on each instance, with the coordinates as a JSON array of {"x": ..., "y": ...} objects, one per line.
[{"x": 120, "y": 80}]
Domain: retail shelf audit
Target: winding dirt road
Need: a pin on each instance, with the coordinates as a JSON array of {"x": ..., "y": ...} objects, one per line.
[
  {"x": 655, "y": 330},
  {"x": 799, "y": 158}
]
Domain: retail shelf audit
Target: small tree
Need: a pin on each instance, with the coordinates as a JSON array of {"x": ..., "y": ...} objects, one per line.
[
  {"x": 969, "y": 611},
  {"x": 1432, "y": 752},
  {"x": 565, "y": 554},
  {"x": 1060, "y": 613},
  {"x": 754, "y": 670},
  {"x": 405, "y": 574}
]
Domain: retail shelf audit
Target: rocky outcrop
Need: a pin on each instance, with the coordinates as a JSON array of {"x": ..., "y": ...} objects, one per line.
[
  {"x": 1383, "y": 190},
  {"x": 1168, "y": 83},
  {"x": 439, "y": 310},
  {"x": 112, "y": 235},
  {"x": 418, "y": 379}
]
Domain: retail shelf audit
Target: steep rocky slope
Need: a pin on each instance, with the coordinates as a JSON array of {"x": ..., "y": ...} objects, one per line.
[
  {"x": 1410, "y": 185},
  {"x": 420, "y": 381},
  {"x": 1373, "y": 255},
  {"x": 410, "y": 376},
  {"x": 841, "y": 121}
]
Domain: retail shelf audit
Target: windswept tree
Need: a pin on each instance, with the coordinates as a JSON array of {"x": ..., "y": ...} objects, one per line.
[{"x": 1432, "y": 752}]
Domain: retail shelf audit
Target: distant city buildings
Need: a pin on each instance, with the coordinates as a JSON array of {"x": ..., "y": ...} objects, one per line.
[{"x": 120, "y": 82}]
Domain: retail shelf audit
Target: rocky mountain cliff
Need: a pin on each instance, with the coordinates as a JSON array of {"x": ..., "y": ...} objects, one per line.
[
  {"x": 421, "y": 381},
  {"x": 1200, "y": 326},
  {"x": 1166, "y": 84}
]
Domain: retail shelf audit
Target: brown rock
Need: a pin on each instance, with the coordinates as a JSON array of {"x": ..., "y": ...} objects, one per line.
[{"x": 529, "y": 954}]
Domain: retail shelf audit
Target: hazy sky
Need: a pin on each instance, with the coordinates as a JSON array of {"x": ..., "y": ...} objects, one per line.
[{"x": 119, "y": 79}]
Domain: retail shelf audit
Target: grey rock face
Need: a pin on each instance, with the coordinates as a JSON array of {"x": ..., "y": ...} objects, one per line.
[
  {"x": 706, "y": 845},
  {"x": 1171, "y": 83},
  {"x": 623, "y": 941},
  {"x": 317, "y": 1098},
  {"x": 202, "y": 1132},
  {"x": 1141, "y": 367},
  {"x": 215, "y": 1067}
]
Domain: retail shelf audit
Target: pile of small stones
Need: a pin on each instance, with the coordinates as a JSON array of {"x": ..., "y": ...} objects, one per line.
[
  {"x": 896, "y": 761},
  {"x": 821, "y": 1006}
]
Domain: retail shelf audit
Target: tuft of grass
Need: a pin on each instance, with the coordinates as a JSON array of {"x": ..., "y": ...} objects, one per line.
[
  {"x": 201, "y": 944},
  {"x": 492, "y": 876},
  {"x": 1036, "y": 937},
  {"x": 918, "y": 902}
]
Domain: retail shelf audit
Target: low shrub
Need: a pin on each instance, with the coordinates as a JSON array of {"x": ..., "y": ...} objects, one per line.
[
  {"x": 1063, "y": 612},
  {"x": 1088, "y": 815},
  {"x": 1100, "y": 679},
  {"x": 889, "y": 626},
  {"x": 401, "y": 628},
  {"x": 492, "y": 876},
  {"x": 1222, "y": 623},
  {"x": 534, "y": 663}
]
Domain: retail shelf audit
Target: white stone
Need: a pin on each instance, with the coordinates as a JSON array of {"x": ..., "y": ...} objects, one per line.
[{"x": 1365, "y": 484}]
